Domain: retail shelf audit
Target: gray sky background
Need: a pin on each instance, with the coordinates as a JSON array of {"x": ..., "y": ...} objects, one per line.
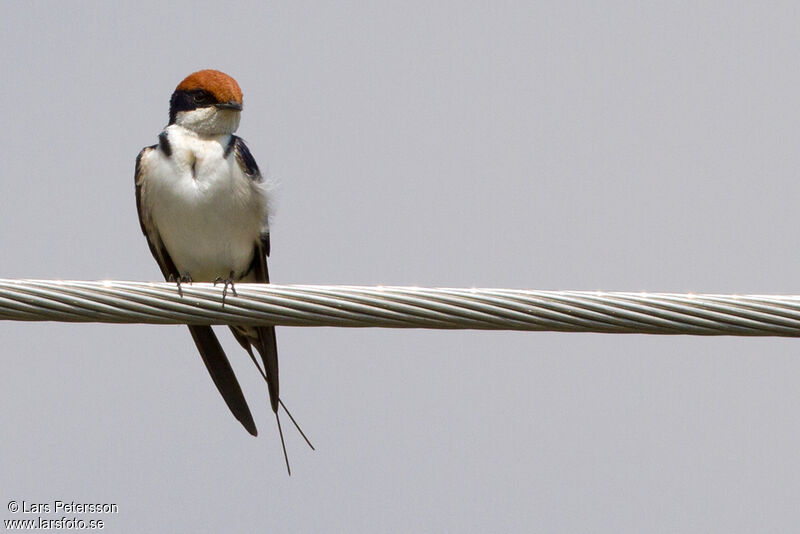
[{"x": 554, "y": 145}]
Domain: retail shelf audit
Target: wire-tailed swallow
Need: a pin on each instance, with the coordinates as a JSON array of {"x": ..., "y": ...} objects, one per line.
[{"x": 204, "y": 209}]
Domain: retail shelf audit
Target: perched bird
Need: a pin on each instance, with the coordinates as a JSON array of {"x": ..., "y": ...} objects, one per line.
[{"x": 204, "y": 209}]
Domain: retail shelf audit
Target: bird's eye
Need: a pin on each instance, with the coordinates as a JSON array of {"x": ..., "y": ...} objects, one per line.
[{"x": 201, "y": 97}]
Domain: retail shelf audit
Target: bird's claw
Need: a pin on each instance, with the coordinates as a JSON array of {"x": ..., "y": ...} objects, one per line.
[
  {"x": 228, "y": 282},
  {"x": 184, "y": 278}
]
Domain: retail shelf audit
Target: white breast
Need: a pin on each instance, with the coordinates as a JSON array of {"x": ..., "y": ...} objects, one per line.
[{"x": 208, "y": 213}]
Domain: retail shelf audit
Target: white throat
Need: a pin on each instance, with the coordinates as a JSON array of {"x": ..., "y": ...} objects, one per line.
[{"x": 209, "y": 120}]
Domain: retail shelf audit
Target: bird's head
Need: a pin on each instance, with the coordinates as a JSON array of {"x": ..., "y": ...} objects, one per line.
[{"x": 208, "y": 102}]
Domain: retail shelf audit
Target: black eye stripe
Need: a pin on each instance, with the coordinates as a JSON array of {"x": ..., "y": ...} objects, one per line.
[
  {"x": 189, "y": 100},
  {"x": 203, "y": 96}
]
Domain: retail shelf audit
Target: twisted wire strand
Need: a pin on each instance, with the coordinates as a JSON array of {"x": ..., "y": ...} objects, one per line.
[{"x": 401, "y": 307}]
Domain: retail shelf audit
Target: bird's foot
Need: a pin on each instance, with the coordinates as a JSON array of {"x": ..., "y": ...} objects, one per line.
[
  {"x": 184, "y": 278},
  {"x": 228, "y": 282}
]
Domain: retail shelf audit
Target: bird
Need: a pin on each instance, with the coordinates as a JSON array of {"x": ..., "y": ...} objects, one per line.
[{"x": 204, "y": 209}]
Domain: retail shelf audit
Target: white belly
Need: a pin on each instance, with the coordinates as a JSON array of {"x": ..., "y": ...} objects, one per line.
[{"x": 208, "y": 213}]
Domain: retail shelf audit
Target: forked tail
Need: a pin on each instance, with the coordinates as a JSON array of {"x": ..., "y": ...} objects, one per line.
[{"x": 277, "y": 418}]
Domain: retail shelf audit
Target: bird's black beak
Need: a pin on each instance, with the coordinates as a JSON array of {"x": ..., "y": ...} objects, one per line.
[{"x": 229, "y": 105}]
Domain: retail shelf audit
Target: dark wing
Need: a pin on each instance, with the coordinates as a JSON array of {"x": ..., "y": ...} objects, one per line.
[
  {"x": 222, "y": 374},
  {"x": 262, "y": 337},
  {"x": 207, "y": 343},
  {"x": 247, "y": 163},
  {"x": 146, "y": 224},
  {"x": 267, "y": 344}
]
